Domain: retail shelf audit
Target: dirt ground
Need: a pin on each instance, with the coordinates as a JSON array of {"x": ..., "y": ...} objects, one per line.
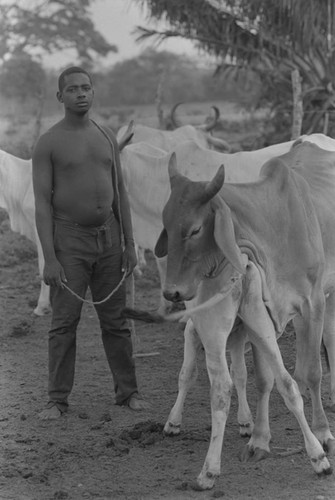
[{"x": 103, "y": 452}]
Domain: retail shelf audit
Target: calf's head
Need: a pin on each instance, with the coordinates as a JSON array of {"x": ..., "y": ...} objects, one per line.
[{"x": 198, "y": 236}]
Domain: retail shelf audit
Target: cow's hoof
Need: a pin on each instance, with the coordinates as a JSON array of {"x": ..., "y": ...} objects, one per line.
[
  {"x": 171, "y": 429},
  {"x": 250, "y": 454},
  {"x": 195, "y": 486},
  {"x": 246, "y": 430},
  {"x": 326, "y": 472},
  {"x": 42, "y": 310},
  {"x": 205, "y": 481},
  {"x": 321, "y": 465}
]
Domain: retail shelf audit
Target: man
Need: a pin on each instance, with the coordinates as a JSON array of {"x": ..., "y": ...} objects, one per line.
[{"x": 82, "y": 211}]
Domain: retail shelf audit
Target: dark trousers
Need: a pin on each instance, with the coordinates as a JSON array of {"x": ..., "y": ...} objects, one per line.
[{"x": 91, "y": 257}]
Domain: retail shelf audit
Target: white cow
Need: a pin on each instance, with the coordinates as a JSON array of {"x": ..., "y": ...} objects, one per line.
[
  {"x": 145, "y": 170},
  {"x": 263, "y": 249},
  {"x": 140, "y": 162},
  {"x": 17, "y": 198},
  {"x": 169, "y": 139},
  {"x": 144, "y": 166}
]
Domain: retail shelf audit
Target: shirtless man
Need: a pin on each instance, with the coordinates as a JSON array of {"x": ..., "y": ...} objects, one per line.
[{"x": 81, "y": 207}]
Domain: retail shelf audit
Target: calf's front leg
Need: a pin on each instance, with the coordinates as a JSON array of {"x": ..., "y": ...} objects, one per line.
[
  {"x": 214, "y": 335},
  {"x": 187, "y": 377}
]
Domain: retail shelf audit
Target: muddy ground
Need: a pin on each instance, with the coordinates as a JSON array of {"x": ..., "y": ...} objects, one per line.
[{"x": 103, "y": 452}]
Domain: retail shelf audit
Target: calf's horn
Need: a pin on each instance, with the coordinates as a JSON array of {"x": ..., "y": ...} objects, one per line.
[{"x": 214, "y": 186}]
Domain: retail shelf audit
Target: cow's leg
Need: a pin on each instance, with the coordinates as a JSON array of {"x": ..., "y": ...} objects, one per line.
[
  {"x": 308, "y": 369},
  {"x": 258, "y": 446},
  {"x": 262, "y": 334},
  {"x": 329, "y": 342},
  {"x": 221, "y": 388},
  {"x": 43, "y": 303},
  {"x": 187, "y": 377},
  {"x": 214, "y": 335},
  {"x": 141, "y": 261},
  {"x": 238, "y": 372}
]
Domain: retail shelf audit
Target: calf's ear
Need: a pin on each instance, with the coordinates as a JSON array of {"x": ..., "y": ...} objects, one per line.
[
  {"x": 160, "y": 249},
  {"x": 224, "y": 236}
]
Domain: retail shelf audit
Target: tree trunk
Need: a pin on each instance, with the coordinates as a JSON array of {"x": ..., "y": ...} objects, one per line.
[
  {"x": 159, "y": 99},
  {"x": 297, "y": 104}
]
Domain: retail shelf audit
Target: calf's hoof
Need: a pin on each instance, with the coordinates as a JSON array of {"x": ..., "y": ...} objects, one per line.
[
  {"x": 171, "y": 429},
  {"x": 250, "y": 454},
  {"x": 42, "y": 310},
  {"x": 205, "y": 481},
  {"x": 246, "y": 430},
  {"x": 321, "y": 465}
]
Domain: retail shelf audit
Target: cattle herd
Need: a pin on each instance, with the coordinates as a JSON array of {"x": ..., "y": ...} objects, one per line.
[{"x": 247, "y": 241}]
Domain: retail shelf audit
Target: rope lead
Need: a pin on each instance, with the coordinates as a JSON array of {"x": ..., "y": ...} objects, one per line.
[{"x": 94, "y": 303}]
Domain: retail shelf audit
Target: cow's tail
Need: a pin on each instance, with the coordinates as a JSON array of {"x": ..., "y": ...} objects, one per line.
[{"x": 140, "y": 315}]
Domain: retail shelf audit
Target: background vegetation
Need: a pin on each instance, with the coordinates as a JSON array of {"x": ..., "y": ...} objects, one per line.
[
  {"x": 129, "y": 90},
  {"x": 254, "y": 46},
  {"x": 270, "y": 38}
]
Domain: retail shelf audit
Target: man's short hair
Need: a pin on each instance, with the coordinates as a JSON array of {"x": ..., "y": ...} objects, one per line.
[{"x": 70, "y": 71}]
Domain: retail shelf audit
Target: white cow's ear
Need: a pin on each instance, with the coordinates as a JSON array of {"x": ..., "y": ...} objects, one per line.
[
  {"x": 224, "y": 235},
  {"x": 160, "y": 249}
]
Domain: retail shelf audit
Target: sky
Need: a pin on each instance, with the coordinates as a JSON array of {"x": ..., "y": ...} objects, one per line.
[{"x": 115, "y": 20}]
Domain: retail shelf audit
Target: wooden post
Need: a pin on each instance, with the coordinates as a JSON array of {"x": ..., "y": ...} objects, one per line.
[
  {"x": 326, "y": 123},
  {"x": 297, "y": 104},
  {"x": 159, "y": 98}
]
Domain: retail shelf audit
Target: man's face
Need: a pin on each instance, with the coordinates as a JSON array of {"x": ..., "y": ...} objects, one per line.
[{"x": 77, "y": 94}]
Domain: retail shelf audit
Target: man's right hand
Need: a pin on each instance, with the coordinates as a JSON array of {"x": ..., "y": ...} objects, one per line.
[{"x": 53, "y": 274}]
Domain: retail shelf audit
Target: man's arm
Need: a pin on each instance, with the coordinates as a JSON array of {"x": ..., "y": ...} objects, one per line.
[{"x": 43, "y": 185}]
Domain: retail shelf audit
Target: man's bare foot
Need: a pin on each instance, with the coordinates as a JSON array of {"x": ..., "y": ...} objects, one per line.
[
  {"x": 50, "y": 413},
  {"x": 136, "y": 403}
]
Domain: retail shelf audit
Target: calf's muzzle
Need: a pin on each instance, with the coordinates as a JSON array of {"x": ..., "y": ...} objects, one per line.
[{"x": 175, "y": 293}]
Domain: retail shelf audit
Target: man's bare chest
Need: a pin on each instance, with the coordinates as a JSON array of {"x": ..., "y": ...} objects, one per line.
[{"x": 76, "y": 151}]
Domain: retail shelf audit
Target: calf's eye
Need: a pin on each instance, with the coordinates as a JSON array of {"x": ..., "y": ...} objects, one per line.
[{"x": 195, "y": 231}]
